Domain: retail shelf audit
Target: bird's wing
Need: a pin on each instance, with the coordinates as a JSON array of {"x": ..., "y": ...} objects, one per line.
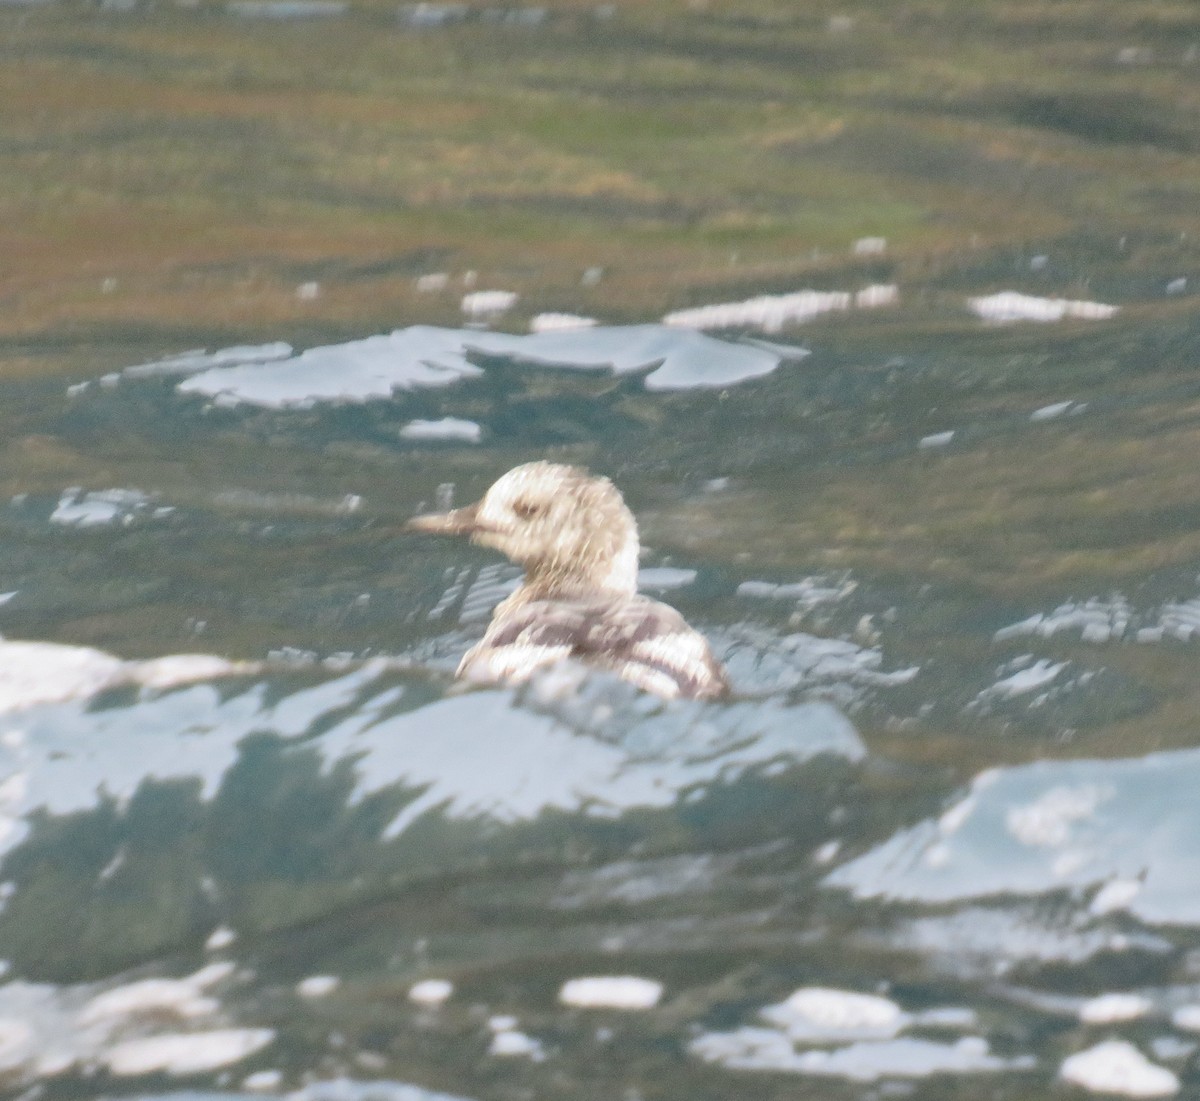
[{"x": 641, "y": 640}]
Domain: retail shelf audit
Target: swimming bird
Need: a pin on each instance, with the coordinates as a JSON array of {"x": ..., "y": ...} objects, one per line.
[{"x": 578, "y": 543}]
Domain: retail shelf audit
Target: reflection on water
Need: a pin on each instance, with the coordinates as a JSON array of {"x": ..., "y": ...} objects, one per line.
[
  {"x": 316, "y": 868},
  {"x": 423, "y": 356},
  {"x": 1120, "y": 831}
]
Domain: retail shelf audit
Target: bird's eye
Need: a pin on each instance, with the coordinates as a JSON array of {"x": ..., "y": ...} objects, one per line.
[{"x": 527, "y": 510}]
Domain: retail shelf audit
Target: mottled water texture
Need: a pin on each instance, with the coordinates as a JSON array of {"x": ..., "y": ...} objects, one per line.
[{"x": 883, "y": 318}]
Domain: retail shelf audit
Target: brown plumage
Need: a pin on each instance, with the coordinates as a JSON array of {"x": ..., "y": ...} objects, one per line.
[{"x": 578, "y": 543}]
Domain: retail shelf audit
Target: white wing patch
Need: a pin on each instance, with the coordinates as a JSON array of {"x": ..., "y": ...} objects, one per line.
[
  {"x": 649, "y": 679},
  {"x": 513, "y": 664},
  {"x": 684, "y": 652}
]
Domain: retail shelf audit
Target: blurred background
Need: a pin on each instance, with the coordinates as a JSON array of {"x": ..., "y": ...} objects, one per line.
[{"x": 882, "y": 316}]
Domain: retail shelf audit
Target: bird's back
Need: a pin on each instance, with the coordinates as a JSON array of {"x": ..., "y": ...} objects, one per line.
[{"x": 644, "y": 642}]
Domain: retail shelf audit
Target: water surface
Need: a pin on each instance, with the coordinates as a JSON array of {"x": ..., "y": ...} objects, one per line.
[
  {"x": 891, "y": 349},
  {"x": 948, "y": 814}
]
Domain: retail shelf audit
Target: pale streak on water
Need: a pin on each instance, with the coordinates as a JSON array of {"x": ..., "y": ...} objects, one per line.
[{"x": 230, "y": 876}]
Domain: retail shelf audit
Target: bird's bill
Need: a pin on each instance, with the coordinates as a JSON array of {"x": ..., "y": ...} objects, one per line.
[{"x": 459, "y": 521}]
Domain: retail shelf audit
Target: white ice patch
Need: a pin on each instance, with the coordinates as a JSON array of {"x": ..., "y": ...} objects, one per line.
[
  {"x": 188, "y": 363},
  {"x": 876, "y": 296},
  {"x": 432, "y": 282},
  {"x": 423, "y": 356},
  {"x": 79, "y": 509},
  {"x": 33, "y": 673},
  {"x": 560, "y": 322},
  {"x": 286, "y": 9},
  {"x": 317, "y": 986},
  {"x": 184, "y": 998},
  {"x": 1096, "y": 619},
  {"x": 987, "y": 941},
  {"x": 219, "y": 938},
  {"x": 761, "y": 661},
  {"x": 357, "y": 371},
  {"x": 448, "y": 428},
  {"x": 1172, "y": 1048},
  {"x": 1032, "y": 683},
  {"x": 1010, "y": 306},
  {"x": 349, "y": 1089},
  {"x": 525, "y": 763},
  {"x": 480, "y": 305},
  {"x": 1100, "y": 620},
  {"x": 1187, "y": 1017},
  {"x": 1111, "y": 1008},
  {"x": 867, "y": 1025},
  {"x": 869, "y": 246},
  {"x": 1115, "y": 895},
  {"x": 768, "y": 312},
  {"x": 509, "y": 1042},
  {"x": 611, "y": 992},
  {"x": 637, "y": 882},
  {"x": 1058, "y": 409},
  {"x": 1049, "y": 820},
  {"x": 1050, "y": 826},
  {"x": 938, "y": 439},
  {"x": 807, "y": 594},
  {"x": 179, "y": 669},
  {"x": 186, "y": 1052},
  {"x": 771, "y": 313},
  {"x": 1118, "y": 1067},
  {"x": 498, "y": 757},
  {"x": 1038, "y": 675},
  {"x": 152, "y": 1025},
  {"x": 814, "y": 1015},
  {"x": 765, "y": 1049},
  {"x": 6, "y": 597},
  {"x": 430, "y": 991},
  {"x": 1180, "y": 620}
]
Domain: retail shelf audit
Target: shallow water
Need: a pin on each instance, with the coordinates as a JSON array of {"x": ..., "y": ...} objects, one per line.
[{"x": 943, "y": 839}]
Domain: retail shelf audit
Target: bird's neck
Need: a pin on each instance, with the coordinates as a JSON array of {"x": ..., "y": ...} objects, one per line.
[{"x": 612, "y": 574}]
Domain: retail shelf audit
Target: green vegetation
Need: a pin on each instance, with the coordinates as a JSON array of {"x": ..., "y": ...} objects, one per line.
[{"x": 172, "y": 168}]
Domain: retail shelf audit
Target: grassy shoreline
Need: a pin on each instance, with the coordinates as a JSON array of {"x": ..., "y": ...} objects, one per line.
[{"x": 169, "y": 167}]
